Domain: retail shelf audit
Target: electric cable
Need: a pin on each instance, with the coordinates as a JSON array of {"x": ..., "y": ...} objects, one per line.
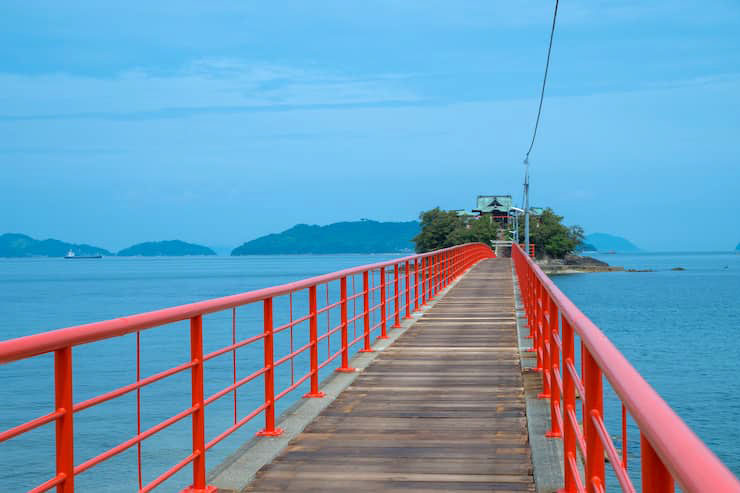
[{"x": 544, "y": 83}]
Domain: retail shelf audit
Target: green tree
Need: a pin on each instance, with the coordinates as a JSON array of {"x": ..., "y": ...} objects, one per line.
[
  {"x": 442, "y": 229},
  {"x": 436, "y": 227},
  {"x": 550, "y": 236},
  {"x": 481, "y": 230}
]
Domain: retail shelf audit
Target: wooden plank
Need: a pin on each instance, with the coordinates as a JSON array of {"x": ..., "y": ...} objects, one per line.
[{"x": 441, "y": 410}]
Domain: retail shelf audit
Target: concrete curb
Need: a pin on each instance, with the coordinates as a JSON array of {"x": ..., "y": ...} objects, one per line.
[
  {"x": 237, "y": 471},
  {"x": 547, "y": 453}
]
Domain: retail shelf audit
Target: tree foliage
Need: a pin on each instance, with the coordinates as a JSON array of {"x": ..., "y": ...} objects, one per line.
[
  {"x": 442, "y": 229},
  {"x": 550, "y": 236},
  {"x": 482, "y": 230}
]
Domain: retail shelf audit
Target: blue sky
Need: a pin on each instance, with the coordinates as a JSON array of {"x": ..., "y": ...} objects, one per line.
[{"x": 217, "y": 122}]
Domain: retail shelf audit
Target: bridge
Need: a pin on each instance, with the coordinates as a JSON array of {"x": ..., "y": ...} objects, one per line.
[{"x": 452, "y": 370}]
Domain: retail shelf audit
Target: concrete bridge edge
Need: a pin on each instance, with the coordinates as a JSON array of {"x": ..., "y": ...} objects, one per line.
[
  {"x": 235, "y": 473},
  {"x": 547, "y": 453}
]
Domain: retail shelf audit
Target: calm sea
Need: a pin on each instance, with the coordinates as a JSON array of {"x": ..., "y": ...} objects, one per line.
[{"x": 679, "y": 329}]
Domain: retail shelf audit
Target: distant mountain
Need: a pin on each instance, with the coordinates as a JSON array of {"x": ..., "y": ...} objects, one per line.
[
  {"x": 585, "y": 247},
  {"x": 19, "y": 245},
  {"x": 605, "y": 242},
  {"x": 170, "y": 248},
  {"x": 345, "y": 237}
]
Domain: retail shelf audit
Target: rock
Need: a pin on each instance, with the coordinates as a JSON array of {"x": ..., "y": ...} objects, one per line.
[
  {"x": 678, "y": 268},
  {"x": 582, "y": 260},
  {"x": 639, "y": 270}
]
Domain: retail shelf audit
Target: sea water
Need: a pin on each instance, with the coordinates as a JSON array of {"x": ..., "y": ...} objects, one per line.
[
  {"x": 678, "y": 328},
  {"x": 43, "y": 294}
]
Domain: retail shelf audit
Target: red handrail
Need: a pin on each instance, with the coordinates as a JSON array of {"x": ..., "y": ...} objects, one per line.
[
  {"x": 670, "y": 450},
  {"x": 431, "y": 272}
]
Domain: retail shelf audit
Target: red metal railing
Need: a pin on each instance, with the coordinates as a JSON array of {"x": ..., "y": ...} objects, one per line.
[
  {"x": 414, "y": 280},
  {"x": 670, "y": 451},
  {"x": 531, "y": 249}
]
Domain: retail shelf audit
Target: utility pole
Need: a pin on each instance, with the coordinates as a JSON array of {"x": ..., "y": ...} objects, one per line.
[{"x": 534, "y": 133}]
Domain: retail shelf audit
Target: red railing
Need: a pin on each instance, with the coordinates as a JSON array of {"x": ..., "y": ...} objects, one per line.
[
  {"x": 403, "y": 285},
  {"x": 531, "y": 249},
  {"x": 669, "y": 450}
]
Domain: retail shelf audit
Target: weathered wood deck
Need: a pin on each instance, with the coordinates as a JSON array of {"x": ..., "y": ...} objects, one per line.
[{"x": 442, "y": 409}]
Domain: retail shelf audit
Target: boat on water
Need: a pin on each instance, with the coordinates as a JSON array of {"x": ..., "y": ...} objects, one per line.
[{"x": 71, "y": 255}]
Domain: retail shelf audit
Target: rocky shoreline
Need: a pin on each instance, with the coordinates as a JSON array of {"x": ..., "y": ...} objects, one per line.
[{"x": 575, "y": 264}]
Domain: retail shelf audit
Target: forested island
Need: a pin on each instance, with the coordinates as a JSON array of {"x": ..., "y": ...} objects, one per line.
[
  {"x": 169, "y": 248},
  {"x": 20, "y": 245},
  {"x": 443, "y": 229},
  {"x": 364, "y": 236},
  {"x": 554, "y": 242}
]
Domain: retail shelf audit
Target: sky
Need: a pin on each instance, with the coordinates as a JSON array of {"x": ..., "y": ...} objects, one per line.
[{"x": 218, "y": 122}]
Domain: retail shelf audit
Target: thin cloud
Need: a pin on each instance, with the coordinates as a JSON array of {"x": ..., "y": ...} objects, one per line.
[{"x": 215, "y": 86}]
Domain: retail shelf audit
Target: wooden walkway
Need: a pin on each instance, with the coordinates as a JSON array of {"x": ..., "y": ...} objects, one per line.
[{"x": 442, "y": 409}]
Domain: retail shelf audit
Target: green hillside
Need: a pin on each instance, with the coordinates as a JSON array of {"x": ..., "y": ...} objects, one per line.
[
  {"x": 169, "y": 248},
  {"x": 605, "y": 242},
  {"x": 343, "y": 237},
  {"x": 20, "y": 245}
]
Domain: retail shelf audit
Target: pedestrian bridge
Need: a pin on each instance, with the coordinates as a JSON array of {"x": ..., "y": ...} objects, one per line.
[{"x": 446, "y": 371}]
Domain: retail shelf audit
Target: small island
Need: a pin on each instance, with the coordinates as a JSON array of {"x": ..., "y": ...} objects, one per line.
[
  {"x": 557, "y": 246},
  {"x": 364, "y": 236},
  {"x": 169, "y": 248},
  {"x": 20, "y": 245}
]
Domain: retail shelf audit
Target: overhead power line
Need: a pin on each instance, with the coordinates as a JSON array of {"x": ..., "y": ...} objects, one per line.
[
  {"x": 525, "y": 205},
  {"x": 544, "y": 82}
]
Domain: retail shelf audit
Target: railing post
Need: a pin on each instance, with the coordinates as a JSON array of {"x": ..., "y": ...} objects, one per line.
[
  {"x": 624, "y": 437},
  {"x": 438, "y": 274},
  {"x": 314, "y": 341},
  {"x": 594, "y": 406},
  {"x": 65, "y": 459},
  {"x": 432, "y": 276},
  {"x": 443, "y": 271},
  {"x": 655, "y": 477},
  {"x": 396, "y": 298},
  {"x": 345, "y": 368},
  {"x": 429, "y": 271},
  {"x": 416, "y": 284},
  {"x": 545, "y": 343},
  {"x": 408, "y": 291},
  {"x": 383, "y": 307},
  {"x": 199, "y": 418},
  {"x": 554, "y": 355},
  {"x": 569, "y": 407},
  {"x": 584, "y": 410},
  {"x": 430, "y": 288},
  {"x": 539, "y": 329},
  {"x": 366, "y": 314},
  {"x": 424, "y": 272},
  {"x": 269, "y": 355}
]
